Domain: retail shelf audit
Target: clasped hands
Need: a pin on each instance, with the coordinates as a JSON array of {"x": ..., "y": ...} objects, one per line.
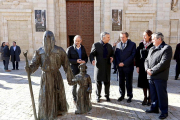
[
  {"x": 80, "y": 61},
  {"x": 121, "y": 64},
  {"x": 149, "y": 72}
]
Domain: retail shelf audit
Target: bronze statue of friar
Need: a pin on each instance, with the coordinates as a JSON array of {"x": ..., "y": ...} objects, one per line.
[{"x": 52, "y": 98}]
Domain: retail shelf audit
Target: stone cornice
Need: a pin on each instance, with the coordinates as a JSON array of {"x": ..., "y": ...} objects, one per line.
[{"x": 16, "y": 10}]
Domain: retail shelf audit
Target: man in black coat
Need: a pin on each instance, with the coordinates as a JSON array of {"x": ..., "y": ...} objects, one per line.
[
  {"x": 77, "y": 55},
  {"x": 101, "y": 57},
  {"x": 157, "y": 66},
  {"x": 6, "y": 56},
  {"x": 15, "y": 51},
  {"x": 177, "y": 58},
  {"x": 124, "y": 55}
]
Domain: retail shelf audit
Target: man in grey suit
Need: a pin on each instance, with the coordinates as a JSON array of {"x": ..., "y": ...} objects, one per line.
[
  {"x": 101, "y": 57},
  {"x": 157, "y": 66}
]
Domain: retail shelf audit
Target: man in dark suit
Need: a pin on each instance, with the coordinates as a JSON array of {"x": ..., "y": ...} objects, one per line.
[
  {"x": 77, "y": 55},
  {"x": 15, "y": 51},
  {"x": 101, "y": 57},
  {"x": 6, "y": 56},
  {"x": 124, "y": 55},
  {"x": 177, "y": 58},
  {"x": 157, "y": 66}
]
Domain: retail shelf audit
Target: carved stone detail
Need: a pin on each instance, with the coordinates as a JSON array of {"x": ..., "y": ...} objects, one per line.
[
  {"x": 174, "y": 6},
  {"x": 139, "y": 2},
  {"x": 15, "y": 0}
]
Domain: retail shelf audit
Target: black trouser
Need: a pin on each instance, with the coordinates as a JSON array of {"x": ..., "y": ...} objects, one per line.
[
  {"x": 114, "y": 65},
  {"x": 159, "y": 97},
  {"x": 128, "y": 76},
  {"x": 6, "y": 62},
  {"x": 17, "y": 65},
  {"x": 99, "y": 87},
  {"x": 13, "y": 63},
  {"x": 177, "y": 69}
]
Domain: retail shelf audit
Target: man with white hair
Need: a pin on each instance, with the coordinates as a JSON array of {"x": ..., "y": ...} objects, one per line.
[
  {"x": 101, "y": 57},
  {"x": 77, "y": 55},
  {"x": 157, "y": 66}
]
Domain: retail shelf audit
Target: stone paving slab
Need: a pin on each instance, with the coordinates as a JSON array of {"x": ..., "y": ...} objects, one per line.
[{"x": 15, "y": 100}]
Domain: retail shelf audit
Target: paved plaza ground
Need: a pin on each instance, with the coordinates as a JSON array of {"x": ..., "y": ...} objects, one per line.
[{"x": 15, "y": 100}]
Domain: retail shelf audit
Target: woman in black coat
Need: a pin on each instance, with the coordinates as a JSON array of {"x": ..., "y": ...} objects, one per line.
[
  {"x": 2, "y": 53},
  {"x": 141, "y": 55}
]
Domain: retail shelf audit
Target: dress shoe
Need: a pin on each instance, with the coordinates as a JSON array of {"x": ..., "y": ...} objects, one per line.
[
  {"x": 148, "y": 104},
  {"x": 175, "y": 78},
  {"x": 120, "y": 98},
  {"x": 17, "y": 69},
  {"x": 13, "y": 69},
  {"x": 114, "y": 72},
  {"x": 149, "y": 101},
  {"x": 129, "y": 100},
  {"x": 8, "y": 70},
  {"x": 151, "y": 111},
  {"x": 107, "y": 99},
  {"x": 98, "y": 99},
  {"x": 144, "y": 101},
  {"x": 163, "y": 116}
]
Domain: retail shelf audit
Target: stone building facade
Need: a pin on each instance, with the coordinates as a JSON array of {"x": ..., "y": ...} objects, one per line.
[{"x": 87, "y": 18}]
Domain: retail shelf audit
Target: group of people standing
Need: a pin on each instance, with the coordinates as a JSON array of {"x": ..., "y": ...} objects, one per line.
[
  {"x": 152, "y": 59},
  {"x": 13, "y": 52}
]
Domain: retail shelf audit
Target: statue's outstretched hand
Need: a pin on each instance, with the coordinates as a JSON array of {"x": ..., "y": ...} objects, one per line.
[
  {"x": 27, "y": 69},
  {"x": 73, "y": 82}
]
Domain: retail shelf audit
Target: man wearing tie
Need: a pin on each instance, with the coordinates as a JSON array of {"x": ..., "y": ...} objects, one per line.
[
  {"x": 15, "y": 51},
  {"x": 124, "y": 56}
]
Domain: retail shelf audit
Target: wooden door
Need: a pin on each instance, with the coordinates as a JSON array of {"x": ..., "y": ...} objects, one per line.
[{"x": 80, "y": 21}]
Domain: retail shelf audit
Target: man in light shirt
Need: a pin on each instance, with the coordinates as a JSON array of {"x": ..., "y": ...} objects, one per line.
[{"x": 15, "y": 51}]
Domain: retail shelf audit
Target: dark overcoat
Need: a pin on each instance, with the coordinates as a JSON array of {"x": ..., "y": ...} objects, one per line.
[
  {"x": 6, "y": 51},
  {"x": 177, "y": 53},
  {"x": 141, "y": 55},
  {"x": 2, "y": 52},
  {"x": 102, "y": 68},
  {"x": 16, "y": 53},
  {"x": 73, "y": 56}
]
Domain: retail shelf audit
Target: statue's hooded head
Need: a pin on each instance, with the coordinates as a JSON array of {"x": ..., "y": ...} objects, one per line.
[
  {"x": 82, "y": 67},
  {"x": 48, "y": 41}
]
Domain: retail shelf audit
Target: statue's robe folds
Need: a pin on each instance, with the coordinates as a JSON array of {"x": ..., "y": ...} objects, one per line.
[
  {"x": 52, "y": 98},
  {"x": 84, "y": 90}
]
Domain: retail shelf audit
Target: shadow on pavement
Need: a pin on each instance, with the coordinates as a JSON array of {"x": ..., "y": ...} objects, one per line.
[
  {"x": 3, "y": 87},
  {"x": 16, "y": 79}
]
